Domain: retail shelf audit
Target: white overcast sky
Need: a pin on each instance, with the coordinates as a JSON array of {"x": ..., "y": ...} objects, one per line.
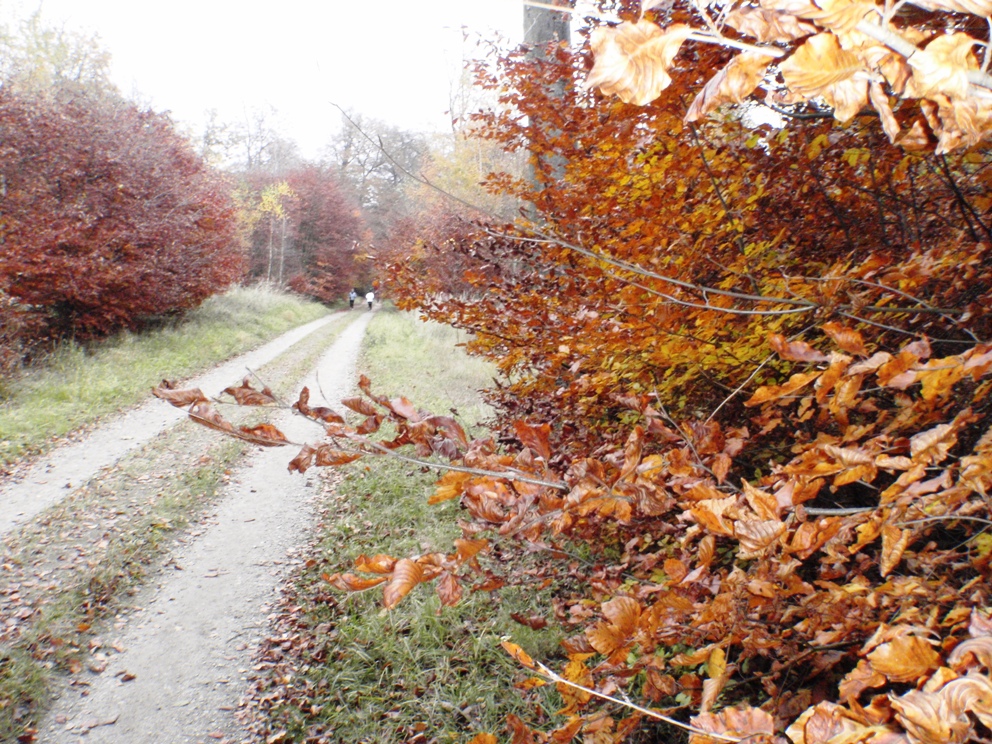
[{"x": 388, "y": 59}]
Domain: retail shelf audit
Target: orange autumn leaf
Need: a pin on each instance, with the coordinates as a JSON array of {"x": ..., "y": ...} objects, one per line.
[
  {"x": 847, "y": 339},
  {"x": 406, "y": 575},
  {"x": 794, "y": 351},
  {"x": 519, "y": 654},
  {"x": 379, "y": 563},
  {"x": 906, "y": 658},
  {"x": 775, "y": 392},
  {"x": 449, "y": 589},
  {"x": 450, "y": 486},
  {"x": 351, "y": 583}
]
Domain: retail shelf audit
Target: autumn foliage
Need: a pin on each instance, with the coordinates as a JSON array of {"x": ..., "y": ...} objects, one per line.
[
  {"x": 745, "y": 413},
  {"x": 302, "y": 231},
  {"x": 109, "y": 217}
]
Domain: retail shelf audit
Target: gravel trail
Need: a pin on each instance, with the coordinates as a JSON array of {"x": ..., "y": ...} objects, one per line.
[
  {"x": 48, "y": 480},
  {"x": 176, "y": 668}
]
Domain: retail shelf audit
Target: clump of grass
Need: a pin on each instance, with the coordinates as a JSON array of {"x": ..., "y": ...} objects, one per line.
[
  {"x": 78, "y": 384},
  {"x": 421, "y": 671}
]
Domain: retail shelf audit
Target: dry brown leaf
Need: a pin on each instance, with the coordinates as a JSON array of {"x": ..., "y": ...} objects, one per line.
[
  {"x": 840, "y": 16},
  {"x": 632, "y": 59},
  {"x": 178, "y": 398},
  {"x": 855, "y": 464},
  {"x": 380, "y": 563},
  {"x": 768, "y": 25},
  {"x": 449, "y": 590},
  {"x": 450, "y": 486},
  {"x": 519, "y": 654},
  {"x": 820, "y": 68},
  {"x": 266, "y": 435},
  {"x": 972, "y": 653},
  {"x": 327, "y": 456},
  {"x": 823, "y": 722},
  {"x": 794, "y": 351},
  {"x": 406, "y": 575},
  {"x": 484, "y": 738},
  {"x": 848, "y": 340},
  {"x": 246, "y": 395},
  {"x": 905, "y": 658},
  {"x": 710, "y": 514},
  {"x": 204, "y": 413},
  {"x": 352, "y": 583},
  {"x": 758, "y": 538},
  {"x": 881, "y": 103},
  {"x": 894, "y": 542},
  {"x": 606, "y": 637},
  {"x": 739, "y": 722},
  {"x": 774, "y": 392},
  {"x": 735, "y": 81},
  {"x": 862, "y": 677},
  {"x": 928, "y": 719},
  {"x": 468, "y": 549},
  {"x": 931, "y": 446},
  {"x": 971, "y": 694},
  {"x": 623, "y": 612},
  {"x": 942, "y": 67}
]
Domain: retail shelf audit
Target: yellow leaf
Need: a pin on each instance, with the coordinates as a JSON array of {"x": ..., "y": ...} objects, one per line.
[{"x": 717, "y": 663}]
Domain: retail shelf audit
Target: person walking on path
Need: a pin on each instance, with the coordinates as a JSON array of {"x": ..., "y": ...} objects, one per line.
[
  {"x": 370, "y": 297},
  {"x": 352, "y": 296}
]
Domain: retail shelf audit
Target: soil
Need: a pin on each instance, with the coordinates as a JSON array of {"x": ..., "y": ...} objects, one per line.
[{"x": 172, "y": 666}]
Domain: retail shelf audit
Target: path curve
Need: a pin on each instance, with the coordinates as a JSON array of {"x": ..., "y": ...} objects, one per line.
[
  {"x": 54, "y": 476},
  {"x": 180, "y": 664}
]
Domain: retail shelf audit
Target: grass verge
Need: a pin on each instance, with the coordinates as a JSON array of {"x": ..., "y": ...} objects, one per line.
[
  {"x": 339, "y": 667},
  {"x": 77, "y": 384},
  {"x": 72, "y": 568}
]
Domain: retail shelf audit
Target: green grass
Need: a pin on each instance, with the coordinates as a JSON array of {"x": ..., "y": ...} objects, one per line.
[
  {"x": 421, "y": 671},
  {"x": 76, "y": 384}
]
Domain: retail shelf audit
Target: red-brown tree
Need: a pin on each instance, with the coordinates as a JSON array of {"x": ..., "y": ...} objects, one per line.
[{"x": 110, "y": 218}]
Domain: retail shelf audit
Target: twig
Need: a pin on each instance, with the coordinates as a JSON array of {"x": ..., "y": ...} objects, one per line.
[
  {"x": 645, "y": 711},
  {"x": 739, "y": 387}
]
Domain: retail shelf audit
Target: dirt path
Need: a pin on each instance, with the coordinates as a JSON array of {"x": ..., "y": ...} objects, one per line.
[
  {"x": 53, "y": 477},
  {"x": 174, "y": 670}
]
